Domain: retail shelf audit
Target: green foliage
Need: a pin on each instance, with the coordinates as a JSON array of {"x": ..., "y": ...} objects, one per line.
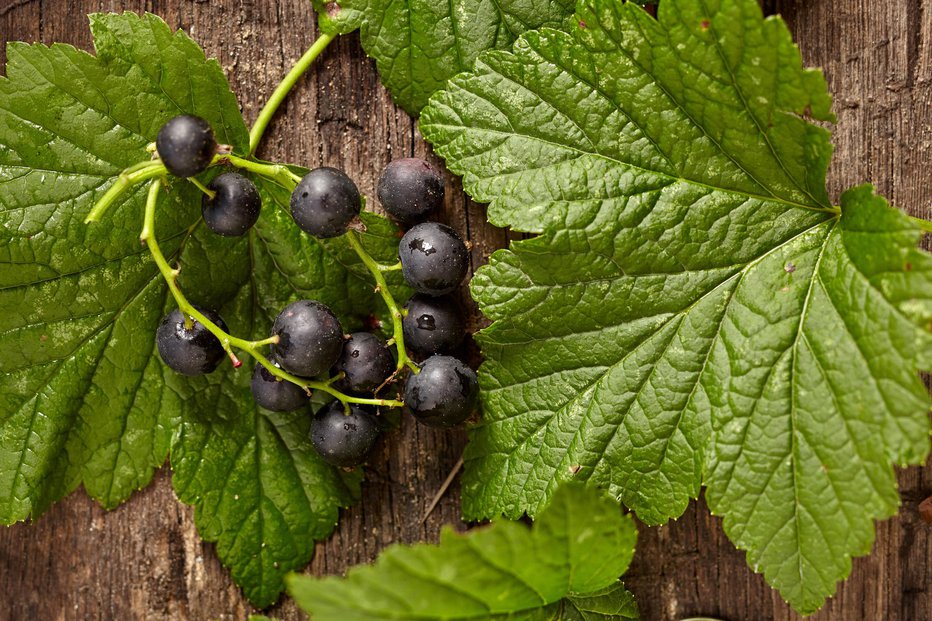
[
  {"x": 695, "y": 310},
  {"x": 84, "y": 398},
  {"x": 564, "y": 568},
  {"x": 419, "y": 44}
]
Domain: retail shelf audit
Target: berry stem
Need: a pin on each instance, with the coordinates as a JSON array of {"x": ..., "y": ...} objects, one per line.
[
  {"x": 127, "y": 179},
  {"x": 277, "y": 172},
  {"x": 284, "y": 88},
  {"x": 376, "y": 269},
  {"x": 390, "y": 268},
  {"x": 150, "y": 169},
  {"x": 228, "y": 341},
  {"x": 211, "y": 195}
]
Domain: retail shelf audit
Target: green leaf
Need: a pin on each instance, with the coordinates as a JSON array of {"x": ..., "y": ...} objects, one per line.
[
  {"x": 566, "y": 567},
  {"x": 80, "y": 387},
  {"x": 694, "y": 307},
  {"x": 419, "y": 44},
  {"x": 84, "y": 398}
]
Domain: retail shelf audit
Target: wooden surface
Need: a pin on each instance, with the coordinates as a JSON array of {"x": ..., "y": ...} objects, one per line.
[{"x": 144, "y": 560}]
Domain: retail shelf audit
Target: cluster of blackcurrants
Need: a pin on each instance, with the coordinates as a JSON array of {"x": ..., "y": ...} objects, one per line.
[{"x": 310, "y": 340}]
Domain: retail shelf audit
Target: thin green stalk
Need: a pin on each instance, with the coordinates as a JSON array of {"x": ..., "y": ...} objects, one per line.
[
  {"x": 227, "y": 340},
  {"x": 284, "y": 88},
  {"x": 127, "y": 179},
  {"x": 276, "y": 172},
  {"x": 203, "y": 188},
  {"x": 398, "y": 335}
]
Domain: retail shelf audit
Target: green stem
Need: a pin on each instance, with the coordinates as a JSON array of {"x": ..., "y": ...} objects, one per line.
[
  {"x": 149, "y": 169},
  {"x": 283, "y": 89},
  {"x": 398, "y": 335},
  {"x": 276, "y": 172},
  {"x": 925, "y": 225},
  {"x": 127, "y": 179},
  {"x": 226, "y": 340},
  {"x": 211, "y": 195}
]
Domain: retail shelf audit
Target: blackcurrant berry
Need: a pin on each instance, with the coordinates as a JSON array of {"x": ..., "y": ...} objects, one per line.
[
  {"x": 344, "y": 440},
  {"x": 409, "y": 189},
  {"x": 189, "y": 351},
  {"x": 310, "y": 338},
  {"x": 325, "y": 202},
  {"x": 186, "y": 145},
  {"x": 275, "y": 394},
  {"x": 235, "y": 206},
  {"x": 444, "y": 393},
  {"x": 432, "y": 325},
  {"x": 434, "y": 258},
  {"x": 366, "y": 361}
]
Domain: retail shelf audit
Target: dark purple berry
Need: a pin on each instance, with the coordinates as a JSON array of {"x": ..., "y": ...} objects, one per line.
[
  {"x": 186, "y": 145},
  {"x": 344, "y": 440},
  {"x": 189, "y": 351},
  {"x": 235, "y": 207},
  {"x": 310, "y": 338},
  {"x": 444, "y": 393},
  {"x": 276, "y": 394},
  {"x": 366, "y": 361},
  {"x": 409, "y": 189},
  {"x": 432, "y": 325},
  {"x": 434, "y": 259},
  {"x": 325, "y": 202}
]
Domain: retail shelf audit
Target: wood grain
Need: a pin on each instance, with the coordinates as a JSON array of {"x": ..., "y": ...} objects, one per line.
[{"x": 145, "y": 561}]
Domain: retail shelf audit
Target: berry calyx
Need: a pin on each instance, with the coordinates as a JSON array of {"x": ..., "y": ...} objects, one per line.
[
  {"x": 310, "y": 338},
  {"x": 344, "y": 440},
  {"x": 235, "y": 207},
  {"x": 276, "y": 394},
  {"x": 366, "y": 363},
  {"x": 434, "y": 259},
  {"x": 189, "y": 350},
  {"x": 324, "y": 202},
  {"x": 432, "y": 325},
  {"x": 409, "y": 189},
  {"x": 186, "y": 145},
  {"x": 444, "y": 393}
]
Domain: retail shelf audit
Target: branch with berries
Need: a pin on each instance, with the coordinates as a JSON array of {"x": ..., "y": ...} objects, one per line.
[{"x": 307, "y": 349}]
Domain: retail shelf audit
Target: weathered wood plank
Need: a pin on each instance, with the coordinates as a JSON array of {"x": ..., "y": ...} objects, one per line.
[{"x": 144, "y": 560}]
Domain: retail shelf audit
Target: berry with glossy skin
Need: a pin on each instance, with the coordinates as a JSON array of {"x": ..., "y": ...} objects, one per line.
[
  {"x": 186, "y": 145},
  {"x": 235, "y": 207},
  {"x": 366, "y": 361},
  {"x": 193, "y": 351},
  {"x": 344, "y": 440},
  {"x": 444, "y": 393},
  {"x": 325, "y": 202},
  {"x": 310, "y": 338},
  {"x": 274, "y": 394},
  {"x": 432, "y": 325},
  {"x": 434, "y": 258},
  {"x": 409, "y": 189}
]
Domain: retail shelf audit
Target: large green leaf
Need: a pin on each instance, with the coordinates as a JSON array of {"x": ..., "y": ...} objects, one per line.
[
  {"x": 80, "y": 386},
  {"x": 695, "y": 305},
  {"x": 84, "y": 397},
  {"x": 419, "y": 44},
  {"x": 565, "y": 568}
]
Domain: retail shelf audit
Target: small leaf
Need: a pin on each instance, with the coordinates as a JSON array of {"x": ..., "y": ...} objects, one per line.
[
  {"x": 695, "y": 309},
  {"x": 566, "y": 567}
]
